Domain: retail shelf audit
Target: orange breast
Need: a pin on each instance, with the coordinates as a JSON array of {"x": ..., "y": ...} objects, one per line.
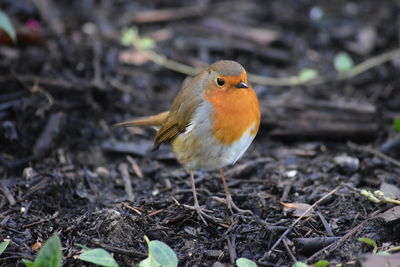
[{"x": 234, "y": 111}]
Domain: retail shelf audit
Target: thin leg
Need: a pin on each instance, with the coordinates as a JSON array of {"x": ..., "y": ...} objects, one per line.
[
  {"x": 228, "y": 200},
  {"x": 200, "y": 211}
]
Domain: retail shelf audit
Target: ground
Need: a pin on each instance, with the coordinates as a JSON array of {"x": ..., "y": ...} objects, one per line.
[{"x": 65, "y": 171}]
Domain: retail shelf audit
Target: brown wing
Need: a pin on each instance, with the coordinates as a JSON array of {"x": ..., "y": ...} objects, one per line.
[{"x": 182, "y": 110}]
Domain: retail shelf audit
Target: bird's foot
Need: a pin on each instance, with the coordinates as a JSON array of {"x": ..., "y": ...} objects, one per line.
[
  {"x": 232, "y": 206},
  {"x": 202, "y": 212}
]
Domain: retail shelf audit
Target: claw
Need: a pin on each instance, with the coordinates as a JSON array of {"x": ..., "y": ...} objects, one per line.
[
  {"x": 228, "y": 200},
  {"x": 202, "y": 213},
  {"x": 232, "y": 206}
]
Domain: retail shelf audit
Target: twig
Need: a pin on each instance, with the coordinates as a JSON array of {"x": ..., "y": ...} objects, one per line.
[
  {"x": 55, "y": 215},
  {"x": 135, "y": 166},
  {"x": 262, "y": 80},
  {"x": 232, "y": 249},
  {"x": 154, "y": 212},
  {"x": 49, "y": 134},
  {"x": 126, "y": 205},
  {"x": 167, "y": 14},
  {"x": 288, "y": 250},
  {"x": 374, "y": 152},
  {"x": 8, "y": 194},
  {"x": 370, "y": 63},
  {"x": 355, "y": 71},
  {"x": 326, "y": 225},
  {"x": 123, "y": 169},
  {"x": 167, "y": 63},
  {"x": 268, "y": 253},
  {"x": 97, "y": 79}
]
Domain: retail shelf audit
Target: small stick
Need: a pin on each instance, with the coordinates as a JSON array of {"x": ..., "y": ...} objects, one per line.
[
  {"x": 168, "y": 14},
  {"x": 123, "y": 168},
  {"x": 50, "y": 132},
  {"x": 127, "y": 206},
  {"x": 232, "y": 249},
  {"x": 327, "y": 227},
  {"x": 288, "y": 250},
  {"x": 135, "y": 166},
  {"x": 155, "y": 212},
  {"x": 8, "y": 195}
]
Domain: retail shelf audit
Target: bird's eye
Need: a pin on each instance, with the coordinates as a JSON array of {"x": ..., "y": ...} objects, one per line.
[{"x": 220, "y": 81}]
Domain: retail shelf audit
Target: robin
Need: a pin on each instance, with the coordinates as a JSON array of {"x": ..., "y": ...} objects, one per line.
[{"x": 211, "y": 123}]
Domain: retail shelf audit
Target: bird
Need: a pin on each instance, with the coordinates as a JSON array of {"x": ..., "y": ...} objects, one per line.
[{"x": 212, "y": 121}]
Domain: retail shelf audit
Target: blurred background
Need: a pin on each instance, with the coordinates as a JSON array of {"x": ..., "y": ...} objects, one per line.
[{"x": 326, "y": 74}]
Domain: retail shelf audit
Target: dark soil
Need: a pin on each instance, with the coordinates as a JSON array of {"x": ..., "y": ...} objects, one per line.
[{"x": 70, "y": 77}]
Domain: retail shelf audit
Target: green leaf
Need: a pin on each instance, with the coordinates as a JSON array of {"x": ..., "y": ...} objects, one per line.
[
  {"x": 396, "y": 124},
  {"x": 321, "y": 263},
  {"x": 28, "y": 263},
  {"x": 243, "y": 262},
  {"x": 149, "y": 262},
  {"x": 5, "y": 25},
  {"x": 299, "y": 264},
  {"x": 308, "y": 74},
  {"x": 368, "y": 241},
  {"x": 50, "y": 254},
  {"x": 343, "y": 62},
  {"x": 99, "y": 256},
  {"x": 128, "y": 36},
  {"x": 384, "y": 253},
  {"x": 3, "y": 246},
  {"x": 146, "y": 43},
  {"x": 163, "y": 254}
]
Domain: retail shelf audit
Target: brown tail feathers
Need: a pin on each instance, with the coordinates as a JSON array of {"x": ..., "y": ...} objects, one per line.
[{"x": 155, "y": 120}]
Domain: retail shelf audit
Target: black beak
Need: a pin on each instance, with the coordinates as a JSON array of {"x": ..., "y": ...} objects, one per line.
[{"x": 242, "y": 85}]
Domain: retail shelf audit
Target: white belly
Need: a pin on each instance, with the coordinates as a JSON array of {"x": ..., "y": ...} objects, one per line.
[{"x": 198, "y": 148}]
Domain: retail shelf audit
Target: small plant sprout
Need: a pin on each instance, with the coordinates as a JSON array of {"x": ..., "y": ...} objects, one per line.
[
  {"x": 343, "y": 62},
  {"x": 243, "y": 262},
  {"x": 131, "y": 36},
  {"x": 128, "y": 36},
  {"x": 321, "y": 263},
  {"x": 369, "y": 242},
  {"x": 49, "y": 255},
  {"x": 7, "y": 27},
  {"x": 160, "y": 254},
  {"x": 98, "y": 256},
  {"x": 307, "y": 74},
  {"x": 378, "y": 197},
  {"x": 372, "y": 243}
]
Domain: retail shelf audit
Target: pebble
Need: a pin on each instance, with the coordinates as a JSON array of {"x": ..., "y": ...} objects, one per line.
[{"x": 348, "y": 162}]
